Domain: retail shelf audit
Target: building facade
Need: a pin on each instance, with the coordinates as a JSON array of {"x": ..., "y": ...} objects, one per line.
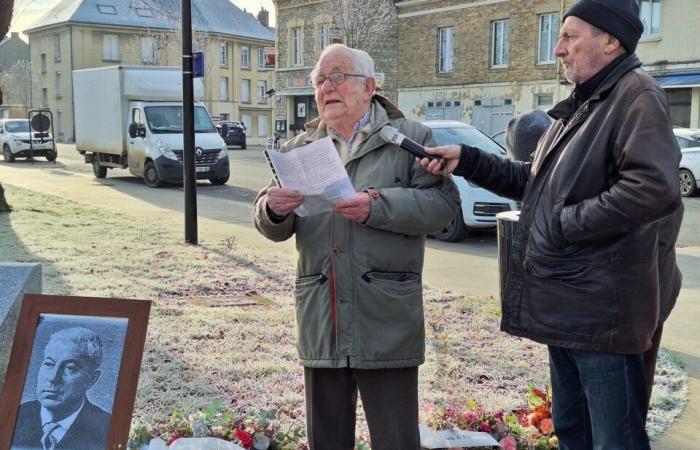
[
  {"x": 304, "y": 28},
  {"x": 14, "y": 76},
  {"x": 137, "y": 32},
  {"x": 670, "y": 51},
  {"x": 483, "y": 61},
  {"x": 479, "y": 61}
]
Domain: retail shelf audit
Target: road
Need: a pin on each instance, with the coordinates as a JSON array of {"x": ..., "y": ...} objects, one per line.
[{"x": 468, "y": 267}]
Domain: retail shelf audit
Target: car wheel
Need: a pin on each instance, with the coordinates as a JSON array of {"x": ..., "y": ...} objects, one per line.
[
  {"x": 150, "y": 175},
  {"x": 51, "y": 156},
  {"x": 455, "y": 231},
  {"x": 243, "y": 146},
  {"x": 218, "y": 181},
  {"x": 7, "y": 153},
  {"x": 98, "y": 169},
  {"x": 688, "y": 185}
]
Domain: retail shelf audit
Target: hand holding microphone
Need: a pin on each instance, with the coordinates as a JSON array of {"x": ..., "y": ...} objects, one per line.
[{"x": 437, "y": 160}]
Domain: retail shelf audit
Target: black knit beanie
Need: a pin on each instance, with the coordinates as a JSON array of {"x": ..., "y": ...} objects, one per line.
[{"x": 620, "y": 18}]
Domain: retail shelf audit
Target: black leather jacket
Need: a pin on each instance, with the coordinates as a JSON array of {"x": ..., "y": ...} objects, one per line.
[{"x": 584, "y": 269}]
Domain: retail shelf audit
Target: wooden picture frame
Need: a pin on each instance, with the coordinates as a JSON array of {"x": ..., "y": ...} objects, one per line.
[{"x": 57, "y": 334}]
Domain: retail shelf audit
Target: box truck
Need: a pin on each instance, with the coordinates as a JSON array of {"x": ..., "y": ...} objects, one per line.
[{"x": 131, "y": 117}]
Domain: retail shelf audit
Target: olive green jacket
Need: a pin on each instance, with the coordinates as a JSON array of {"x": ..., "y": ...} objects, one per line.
[{"x": 358, "y": 290}]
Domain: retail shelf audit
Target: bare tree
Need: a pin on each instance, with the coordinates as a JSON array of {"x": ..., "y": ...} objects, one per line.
[
  {"x": 363, "y": 23},
  {"x": 15, "y": 84},
  {"x": 6, "y": 7}
]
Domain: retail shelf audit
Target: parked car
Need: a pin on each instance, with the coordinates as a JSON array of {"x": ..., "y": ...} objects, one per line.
[
  {"x": 479, "y": 206},
  {"x": 236, "y": 133},
  {"x": 15, "y": 136},
  {"x": 689, "y": 173},
  {"x": 500, "y": 138}
]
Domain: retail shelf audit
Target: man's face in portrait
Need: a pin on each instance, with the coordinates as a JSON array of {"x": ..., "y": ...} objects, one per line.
[{"x": 65, "y": 375}]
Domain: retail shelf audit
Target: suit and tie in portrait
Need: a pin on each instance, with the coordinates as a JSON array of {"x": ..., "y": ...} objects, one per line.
[{"x": 62, "y": 417}]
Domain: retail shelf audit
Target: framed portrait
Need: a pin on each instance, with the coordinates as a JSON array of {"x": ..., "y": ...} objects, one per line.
[{"x": 73, "y": 371}]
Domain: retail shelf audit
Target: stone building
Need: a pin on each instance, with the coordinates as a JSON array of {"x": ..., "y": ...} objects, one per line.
[
  {"x": 482, "y": 61},
  {"x": 79, "y": 34},
  {"x": 478, "y": 61},
  {"x": 304, "y": 28},
  {"x": 14, "y": 61},
  {"x": 670, "y": 51}
]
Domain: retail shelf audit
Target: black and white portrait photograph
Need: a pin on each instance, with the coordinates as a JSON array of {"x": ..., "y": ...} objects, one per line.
[{"x": 70, "y": 383}]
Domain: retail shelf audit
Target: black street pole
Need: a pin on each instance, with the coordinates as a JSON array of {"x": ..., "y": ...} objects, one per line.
[{"x": 189, "y": 176}]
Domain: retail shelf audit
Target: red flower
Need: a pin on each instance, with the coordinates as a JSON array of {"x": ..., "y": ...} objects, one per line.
[
  {"x": 245, "y": 438},
  {"x": 485, "y": 427},
  {"x": 174, "y": 438}
]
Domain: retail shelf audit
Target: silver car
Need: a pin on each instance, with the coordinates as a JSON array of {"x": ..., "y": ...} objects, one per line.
[{"x": 479, "y": 206}]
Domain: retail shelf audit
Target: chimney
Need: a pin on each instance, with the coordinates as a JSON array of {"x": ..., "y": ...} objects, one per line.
[{"x": 264, "y": 17}]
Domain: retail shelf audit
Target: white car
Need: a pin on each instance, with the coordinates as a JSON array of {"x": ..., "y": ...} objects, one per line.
[
  {"x": 15, "y": 135},
  {"x": 479, "y": 206},
  {"x": 689, "y": 174}
]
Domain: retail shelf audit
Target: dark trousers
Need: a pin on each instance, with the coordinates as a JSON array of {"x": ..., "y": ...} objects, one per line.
[
  {"x": 650, "y": 361},
  {"x": 598, "y": 400},
  {"x": 389, "y": 398}
]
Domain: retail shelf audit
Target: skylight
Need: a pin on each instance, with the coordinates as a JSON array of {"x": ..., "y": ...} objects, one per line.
[{"x": 107, "y": 9}]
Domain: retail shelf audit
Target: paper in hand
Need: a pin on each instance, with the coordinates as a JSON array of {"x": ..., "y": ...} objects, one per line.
[{"x": 316, "y": 171}]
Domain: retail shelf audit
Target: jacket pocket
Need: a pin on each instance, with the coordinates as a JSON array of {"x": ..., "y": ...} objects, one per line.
[
  {"x": 566, "y": 296},
  {"x": 315, "y": 327},
  {"x": 390, "y": 317}
]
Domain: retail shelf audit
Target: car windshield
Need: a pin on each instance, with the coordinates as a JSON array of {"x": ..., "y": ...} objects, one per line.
[
  {"x": 468, "y": 136},
  {"x": 168, "y": 120},
  {"x": 17, "y": 126}
]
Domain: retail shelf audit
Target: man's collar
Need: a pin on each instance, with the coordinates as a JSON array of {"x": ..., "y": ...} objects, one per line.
[
  {"x": 364, "y": 120},
  {"x": 585, "y": 90},
  {"x": 47, "y": 417}
]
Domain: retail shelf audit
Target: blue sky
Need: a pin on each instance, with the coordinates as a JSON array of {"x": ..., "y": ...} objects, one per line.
[{"x": 27, "y": 11}]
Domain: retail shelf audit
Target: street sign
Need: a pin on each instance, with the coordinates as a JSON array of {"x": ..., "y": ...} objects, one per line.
[{"x": 198, "y": 64}]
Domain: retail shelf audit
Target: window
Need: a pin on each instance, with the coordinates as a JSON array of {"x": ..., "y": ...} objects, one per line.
[
  {"x": 223, "y": 117},
  {"x": 57, "y": 47},
  {"x": 245, "y": 56},
  {"x": 296, "y": 47},
  {"x": 223, "y": 54},
  {"x": 262, "y": 88},
  {"x": 107, "y": 9},
  {"x": 262, "y": 125},
  {"x": 43, "y": 63},
  {"x": 329, "y": 36},
  {"x": 223, "y": 89},
  {"x": 549, "y": 33},
  {"x": 59, "y": 84},
  {"x": 110, "y": 47},
  {"x": 44, "y": 97},
  {"x": 245, "y": 91},
  {"x": 650, "y": 15},
  {"x": 148, "y": 50},
  {"x": 544, "y": 101},
  {"x": 499, "y": 43},
  {"x": 247, "y": 121},
  {"x": 445, "y": 49},
  {"x": 261, "y": 58},
  {"x": 144, "y": 12},
  {"x": 136, "y": 117}
]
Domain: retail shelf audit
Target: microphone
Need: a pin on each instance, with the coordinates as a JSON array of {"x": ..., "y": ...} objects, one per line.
[{"x": 392, "y": 136}]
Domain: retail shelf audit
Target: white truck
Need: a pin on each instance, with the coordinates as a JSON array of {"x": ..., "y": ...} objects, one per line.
[{"x": 131, "y": 116}]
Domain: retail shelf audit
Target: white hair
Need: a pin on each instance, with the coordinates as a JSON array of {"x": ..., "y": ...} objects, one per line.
[
  {"x": 360, "y": 61},
  {"x": 88, "y": 342}
]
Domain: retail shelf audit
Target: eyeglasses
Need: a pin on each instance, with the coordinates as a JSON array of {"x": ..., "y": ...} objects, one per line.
[{"x": 336, "y": 78}]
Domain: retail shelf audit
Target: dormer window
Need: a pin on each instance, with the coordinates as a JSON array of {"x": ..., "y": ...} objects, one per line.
[
  {"x": 144, "y": 12},
  {"x": 107, "y": 9}
]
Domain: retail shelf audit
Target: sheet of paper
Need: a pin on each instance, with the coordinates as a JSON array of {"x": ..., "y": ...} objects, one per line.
[
  {"x": 454, "y": 438},
  {"x": 316, "y": 171}
]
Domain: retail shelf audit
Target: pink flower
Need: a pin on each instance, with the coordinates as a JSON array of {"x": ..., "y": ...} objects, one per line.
[
  {"x": 174, "y": 438},
  {"x": 485, "y": 427},
  {"x": 245, "y": 438},
  {"x": 508, "y": 443},
  {"x": 546, "y": 426}
]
